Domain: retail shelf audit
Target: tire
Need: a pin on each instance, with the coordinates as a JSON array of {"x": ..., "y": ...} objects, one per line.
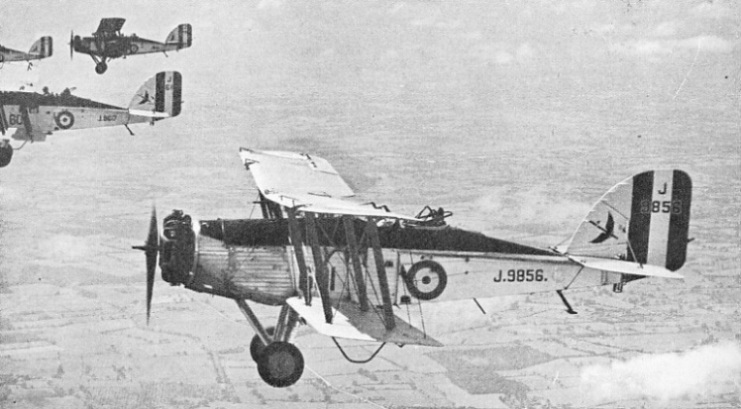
[
  {"x": 101, "y": 68},
  {"x": 256, "y": 346},
  {"x": 281, "y": 364},
  {"x": 421, "y": 275}
]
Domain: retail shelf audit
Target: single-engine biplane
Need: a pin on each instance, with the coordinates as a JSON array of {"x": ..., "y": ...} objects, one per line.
[
  {"x": 350, "y": 270},
  {"x": 108, "y": 43},
  {"x": 42, "y": 48},
  {"x": 37, "y": 115}
]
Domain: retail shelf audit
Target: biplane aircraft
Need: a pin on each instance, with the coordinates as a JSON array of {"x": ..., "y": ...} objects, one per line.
[
  {"x": 108, "y": 43},
  {"x": 37, "y": 115},
  {"x": 42, "y": 48},
  {"x": 350, "y": 270}
]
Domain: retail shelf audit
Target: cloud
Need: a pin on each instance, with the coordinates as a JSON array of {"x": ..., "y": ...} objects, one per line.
[
  {"x": 665, "y": 376},
  {"x": 706, "y": 43},
  {"x": 665, "y": 29},
  {"x": 269, "y": 4},
  {"x": 503, "y": 57},
  {"x": 524, "y": 52}
]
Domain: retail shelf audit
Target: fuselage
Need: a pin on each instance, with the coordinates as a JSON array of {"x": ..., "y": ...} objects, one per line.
[
  {"x": 119, "y": 46},
  {"x": 44, "y": 113},
  {"x": 254, "y": 259}
]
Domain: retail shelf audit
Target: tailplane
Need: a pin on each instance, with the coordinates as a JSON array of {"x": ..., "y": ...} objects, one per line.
[
  {"x": 643, "y": 219},
  {"x": 159, "y": 97},
  {"x": 42, "y": 48},
  {"x": 181, "y": 36}
]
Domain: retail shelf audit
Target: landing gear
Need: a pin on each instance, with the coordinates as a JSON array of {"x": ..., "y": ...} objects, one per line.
[
  {"x": 280, "y": 364},
  {"x": 257, "y": 346},
  {"x": 101, "y": 67}
]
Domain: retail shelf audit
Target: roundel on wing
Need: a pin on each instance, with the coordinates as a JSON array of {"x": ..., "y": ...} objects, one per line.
[{"x": 65, "y": 120}]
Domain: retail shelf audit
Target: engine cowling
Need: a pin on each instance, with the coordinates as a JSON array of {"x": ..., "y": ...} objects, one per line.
[{"x": 206, "y": 262}]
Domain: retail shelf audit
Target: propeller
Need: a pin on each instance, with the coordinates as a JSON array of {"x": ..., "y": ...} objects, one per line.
[
  {"x": 150, "y": 249},
  {"x": 71, "y": 44}
]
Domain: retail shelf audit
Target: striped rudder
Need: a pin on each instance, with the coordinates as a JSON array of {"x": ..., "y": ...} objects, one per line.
[
  {"x": 644, "y": 219},
  {"x": 42, "y": 48},
  {"x": 161, "y": 93},
  {"x": 181, "y": 36}
]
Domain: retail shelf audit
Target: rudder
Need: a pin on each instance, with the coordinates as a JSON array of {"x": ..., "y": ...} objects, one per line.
[
  {"x": 181, "y": 36},
  {"x": 43, "y": 47},
  {"x": 161, "y": 93},
  {"x": 643, "y": 219}
]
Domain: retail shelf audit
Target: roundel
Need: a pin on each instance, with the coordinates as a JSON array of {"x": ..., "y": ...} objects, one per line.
[
  {"x": 65, "y": 120},
  {"x": 133, "y": 49},
  {"x": 426, "y": 280}
]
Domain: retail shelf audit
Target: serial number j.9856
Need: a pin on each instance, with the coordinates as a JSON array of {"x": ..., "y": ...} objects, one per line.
[{"x": 520, "y": 275}]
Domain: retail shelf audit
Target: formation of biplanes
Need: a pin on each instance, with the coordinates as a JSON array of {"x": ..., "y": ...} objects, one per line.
[
  {"x": 36, "y": 115},
  {"x": 349, "y": 269}
]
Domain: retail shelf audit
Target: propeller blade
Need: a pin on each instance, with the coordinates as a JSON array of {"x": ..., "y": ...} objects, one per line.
[
  {"x": 150, "y": 248},
  {"x": 71, "y": 44}
]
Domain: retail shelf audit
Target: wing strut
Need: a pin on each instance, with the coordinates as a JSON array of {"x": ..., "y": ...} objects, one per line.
[
  {"x": 372, "y": 231},
  {"x": 320, "y": 270},
  {"x": 352, "y": 248},
  {"x": 293, "y": 231},
  {"x": 26, "y": 121}
]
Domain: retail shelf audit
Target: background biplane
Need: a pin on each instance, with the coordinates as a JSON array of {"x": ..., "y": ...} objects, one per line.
[
  {"x": 42, "y": 48},
  {"x": 107, "y": 43},
  {"x": 37, "y": 115},
  {"x": 347, "y": 268}
]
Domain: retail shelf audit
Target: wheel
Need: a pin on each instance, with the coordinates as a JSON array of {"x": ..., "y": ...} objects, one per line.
[
  {"x": 256, "y": 346},
  {"x": 281, "y": 364},
  {"x": 426, "y": 280},
  {"x": 101, "y": 67}
]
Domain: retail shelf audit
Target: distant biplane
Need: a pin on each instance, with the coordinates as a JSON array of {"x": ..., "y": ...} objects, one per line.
[
  {"x": 42, "y": 48},
  {"x": 350, "y": 270},
  {"x": 37, "y": 115},
  {"x": 108, "y": 43}
]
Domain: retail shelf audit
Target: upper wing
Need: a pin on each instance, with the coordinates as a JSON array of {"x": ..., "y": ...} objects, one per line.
[
  {"x": 306, "y": 182},
  {"x": 110, "y": 25}
]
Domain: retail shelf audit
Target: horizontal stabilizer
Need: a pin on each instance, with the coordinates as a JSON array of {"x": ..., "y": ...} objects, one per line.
[
  {"x": 625, "y": 267},
  {"x": 148, "y": 114},
  {"x": 349, "y": 322}
]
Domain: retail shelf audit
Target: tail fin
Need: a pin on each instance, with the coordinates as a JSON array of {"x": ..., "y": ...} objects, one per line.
[
  {"x": 182, "y": 36},
  {"x": 161, "y": 93},
  {"x": 42, "y": 47},
  {"x": 644, "y": 219}
]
